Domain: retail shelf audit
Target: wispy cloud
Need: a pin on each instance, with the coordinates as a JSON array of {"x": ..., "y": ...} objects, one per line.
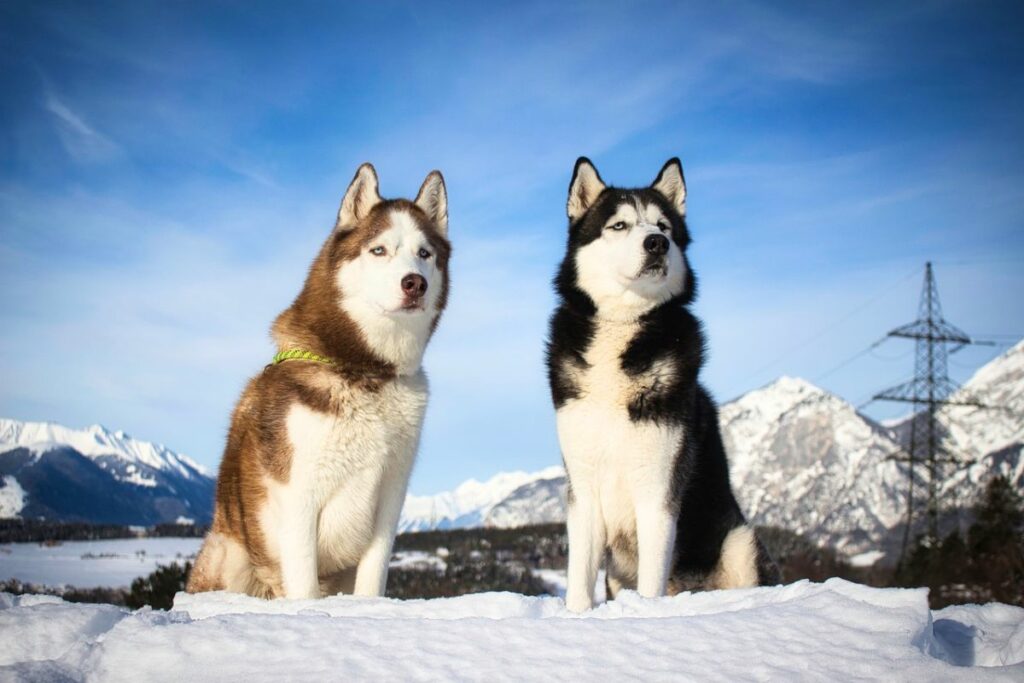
[{"x": 83, "y": 143}]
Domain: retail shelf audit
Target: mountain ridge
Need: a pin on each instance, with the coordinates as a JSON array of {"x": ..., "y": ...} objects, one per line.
[{"x": 97, "y": 475}]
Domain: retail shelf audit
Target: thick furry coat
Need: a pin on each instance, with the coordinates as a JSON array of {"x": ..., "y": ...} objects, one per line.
[
  {"x": 319, "y": 454},
  {"x": 649, "y": 488}
]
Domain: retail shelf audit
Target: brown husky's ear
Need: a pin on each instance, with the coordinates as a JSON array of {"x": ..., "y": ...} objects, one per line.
[
  {"x": 433, "y": 199},
  {"x": 361, "y": 196},
  {"x": 670, "y": 183},
  {"x": 585, "y": 187}
]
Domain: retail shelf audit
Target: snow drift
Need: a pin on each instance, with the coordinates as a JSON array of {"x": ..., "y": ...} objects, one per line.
[{"x": 830, "y": 631}]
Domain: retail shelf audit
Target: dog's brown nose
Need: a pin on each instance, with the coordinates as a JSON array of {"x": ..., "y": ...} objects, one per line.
[
  {"x": 656, "y": 245},
  {"x": 414, "y": 285}
]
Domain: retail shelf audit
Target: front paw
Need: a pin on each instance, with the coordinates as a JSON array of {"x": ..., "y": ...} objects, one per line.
[
  {"x": 307, "y": 593},
  {"x": 649, "y": 592},
  {"x": 577, "y": 602}
]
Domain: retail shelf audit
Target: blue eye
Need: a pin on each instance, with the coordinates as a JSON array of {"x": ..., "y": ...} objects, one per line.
[
  {"x": 424, "y": 254},
  {"x": 377, "y": 251},
  {"x": 621, "y": 225}
]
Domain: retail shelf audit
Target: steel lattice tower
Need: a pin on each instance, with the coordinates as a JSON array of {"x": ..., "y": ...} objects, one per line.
[{"x": 929, "y": 391}]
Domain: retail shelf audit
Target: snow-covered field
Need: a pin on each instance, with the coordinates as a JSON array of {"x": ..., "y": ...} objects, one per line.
[
  {"x": 92, "y": 564},
  {"x": 116, "y": 563},
  {"x": 805, "y": 631}
]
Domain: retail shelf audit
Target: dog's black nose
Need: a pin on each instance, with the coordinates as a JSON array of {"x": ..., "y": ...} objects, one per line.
[
  {"x": 414, "y": 285},
  {"x": 656, "y": 245}
]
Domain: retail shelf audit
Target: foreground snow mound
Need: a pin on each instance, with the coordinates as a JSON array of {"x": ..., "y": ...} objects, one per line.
[{"x": 830, "y": 631}]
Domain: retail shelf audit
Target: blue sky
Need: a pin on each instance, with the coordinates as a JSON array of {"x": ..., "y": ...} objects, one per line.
[{"x": 168, "y": 170}]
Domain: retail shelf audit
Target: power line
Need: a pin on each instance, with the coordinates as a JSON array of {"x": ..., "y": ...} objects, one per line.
[
  {"x": 898, "y": 356},
  {"x": 831, "y": 326},
  {"x": 843, "y": 364},
  {"x": 971, "y": 366},
  {"x": 1001, "y": 335}
]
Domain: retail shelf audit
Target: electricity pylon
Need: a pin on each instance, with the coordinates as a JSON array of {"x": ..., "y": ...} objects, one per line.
[{"x": 929, "y": 390}]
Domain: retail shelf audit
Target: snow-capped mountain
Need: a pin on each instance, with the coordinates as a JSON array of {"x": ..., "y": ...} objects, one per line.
[
  {"x": 471, "y": 504},
  {"x": 982, "y": 434},
  {"x": 540, "y": 501},
  {"x": 806, "y": 460},
  {"x": 96, "y": 475}
]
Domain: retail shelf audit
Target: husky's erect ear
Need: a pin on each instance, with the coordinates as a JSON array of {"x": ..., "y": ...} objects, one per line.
[
  {"x": 433, "y": 199},
  {"x": 585, "y": 187},
  {"x": 670, "y": 183},
  {"x": 361, "y": 196}
]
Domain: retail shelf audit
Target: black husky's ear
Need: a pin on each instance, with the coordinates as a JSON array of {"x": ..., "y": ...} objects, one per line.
[
  {"x": 361, "y": 196},
  {"x": 433, "y": 199},
  {"x": 670, "y": 183},
  {"x": 585, "y": 187}
]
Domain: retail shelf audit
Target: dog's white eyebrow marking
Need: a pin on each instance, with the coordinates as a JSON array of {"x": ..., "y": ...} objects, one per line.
[
  {"x": 623, "y": 212},
  {"x": 634, "y": 210},
  {"x": 654, "y": 213}
]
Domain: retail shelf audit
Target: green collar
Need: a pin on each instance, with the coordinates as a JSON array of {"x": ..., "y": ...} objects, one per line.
[{"x": 299, "y": 354}]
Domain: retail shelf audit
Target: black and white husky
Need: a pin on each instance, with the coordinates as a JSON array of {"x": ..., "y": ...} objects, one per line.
[{"x": 648, "y": 479}]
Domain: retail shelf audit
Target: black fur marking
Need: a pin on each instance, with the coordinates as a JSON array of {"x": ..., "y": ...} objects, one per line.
[
  {"x": 669, "y": 333},
  {"x": 571, "y": 334},
  {"x": 701, "y": 494},
  {"x": 708, "y": 511}
]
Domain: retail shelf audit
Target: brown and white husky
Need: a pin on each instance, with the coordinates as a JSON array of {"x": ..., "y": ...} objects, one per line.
[{"x": 322, "y": 441}]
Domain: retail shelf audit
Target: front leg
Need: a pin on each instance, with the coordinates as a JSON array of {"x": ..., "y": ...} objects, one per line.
[
  {"x": 656, "y": 536},
  {"x": 586, "y": 547},
  {"x": 297, "y": 546},
  {"x": 651, "y": 488},
  {"x": 372, "y": 572}
]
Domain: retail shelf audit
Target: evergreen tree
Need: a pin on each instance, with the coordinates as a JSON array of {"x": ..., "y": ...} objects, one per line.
[
  {"x": 987, "y": 566},
  {"x": 996, "y": 541},
  {"x": 1000, "y": 518},
  {"x": 157, "y": 590}
]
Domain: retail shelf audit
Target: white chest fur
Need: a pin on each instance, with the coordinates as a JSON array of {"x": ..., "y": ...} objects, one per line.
[
  {"x": 610, "y": 458},
  {"x": 344, "y": 463}
]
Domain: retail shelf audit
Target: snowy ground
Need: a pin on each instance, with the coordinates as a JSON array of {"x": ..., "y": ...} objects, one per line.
[
  {"x": 91, "y": 564},
  {"x": 831, "y": 631}
]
